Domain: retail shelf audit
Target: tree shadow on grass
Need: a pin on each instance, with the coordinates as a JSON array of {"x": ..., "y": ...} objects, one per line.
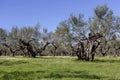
[
  {"x": 110, "y": 60},
  {"x": 101, "y": 60},
  {"x": 21, "y": 75},
  {"x": 32, "y": 75},
  {"x": 10, "y": 63},
  {"x": 72, "y": 74}
]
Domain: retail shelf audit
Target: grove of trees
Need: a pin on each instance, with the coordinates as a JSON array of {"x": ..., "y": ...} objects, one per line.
[{"x": 99, "y": 35}]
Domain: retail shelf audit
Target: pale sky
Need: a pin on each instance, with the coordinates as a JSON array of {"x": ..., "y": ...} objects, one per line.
[{"x": 47, "y": 12}]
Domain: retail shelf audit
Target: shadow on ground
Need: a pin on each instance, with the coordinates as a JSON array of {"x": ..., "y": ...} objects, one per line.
[
  {"x": 102, "y": 60},
  {"x": 110, "y": 60},
  {"x": 32, "y": 75},
  {"x": 10, "y": 63}
]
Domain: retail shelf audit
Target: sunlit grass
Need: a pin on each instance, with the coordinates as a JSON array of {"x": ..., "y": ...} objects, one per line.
[{"x": 59, "y": 68}]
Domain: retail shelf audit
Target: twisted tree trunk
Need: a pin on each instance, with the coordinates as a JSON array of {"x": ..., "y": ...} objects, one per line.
[
  {"x": 29, "y": 47},
  {"x": 88, "y": 52}
]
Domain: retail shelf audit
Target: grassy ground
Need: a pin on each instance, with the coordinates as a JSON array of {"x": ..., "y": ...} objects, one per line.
[{"x": 59, "y": 68}]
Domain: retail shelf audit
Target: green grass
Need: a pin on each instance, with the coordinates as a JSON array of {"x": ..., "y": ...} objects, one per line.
[{"x": 59, "y": 68}]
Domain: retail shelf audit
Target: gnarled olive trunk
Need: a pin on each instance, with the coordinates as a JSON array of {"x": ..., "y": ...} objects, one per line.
[{"x": 88, "y": 52}]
